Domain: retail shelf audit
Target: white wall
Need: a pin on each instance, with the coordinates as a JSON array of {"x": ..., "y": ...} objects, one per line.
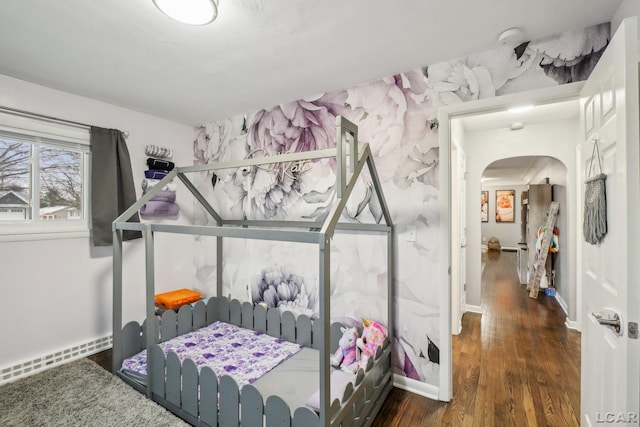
[
  {"x": 507, "y": 232},
  {"x": 626, "y": 9},
  {"x": 58, "y": 293},
  {"x": 458, "y": 259},
  {"x": 554, "y": 139},
  {"x": 553, "y": 170}
]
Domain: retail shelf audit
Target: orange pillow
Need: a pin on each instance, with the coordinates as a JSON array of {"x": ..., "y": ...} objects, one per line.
[{"x": 175, "y": 299}]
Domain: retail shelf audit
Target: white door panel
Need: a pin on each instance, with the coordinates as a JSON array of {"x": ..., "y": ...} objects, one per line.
[
  {"x": 609, "y": 114},
  {"x": 463, "y": 232}
]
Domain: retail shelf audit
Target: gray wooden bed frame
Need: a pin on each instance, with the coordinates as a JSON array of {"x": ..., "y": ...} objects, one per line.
[{"x": 199, "y": 397}]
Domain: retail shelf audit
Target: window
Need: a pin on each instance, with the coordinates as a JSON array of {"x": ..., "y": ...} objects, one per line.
[{"x": 43, "y": 177}]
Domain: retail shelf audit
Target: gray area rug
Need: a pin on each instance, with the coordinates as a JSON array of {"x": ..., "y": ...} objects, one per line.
[{"x": 79, "y": 393}]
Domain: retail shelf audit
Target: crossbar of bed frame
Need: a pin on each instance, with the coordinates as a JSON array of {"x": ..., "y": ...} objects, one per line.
[{"x": 313, "y": 232}]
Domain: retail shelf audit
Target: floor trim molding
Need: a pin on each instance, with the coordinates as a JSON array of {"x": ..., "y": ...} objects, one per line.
[
  {"x": 473, "y": 308},
  {"x": 562, "y": 304},
  {"x": 415, "y": 386},
  {"x": 571, "y": 324}
]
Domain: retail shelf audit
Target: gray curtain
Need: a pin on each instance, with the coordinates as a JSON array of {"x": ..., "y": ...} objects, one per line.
[{"x": 112, "y": 187}]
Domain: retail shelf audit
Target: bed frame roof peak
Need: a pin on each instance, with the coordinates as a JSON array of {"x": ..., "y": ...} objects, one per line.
[{"x": 351, "y": 160}]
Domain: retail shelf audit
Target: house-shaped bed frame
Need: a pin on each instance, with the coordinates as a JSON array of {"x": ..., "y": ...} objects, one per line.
[{"x": 182, "y": 388}]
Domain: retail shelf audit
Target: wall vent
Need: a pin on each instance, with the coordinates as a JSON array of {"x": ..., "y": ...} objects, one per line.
[{"x": 42, "y": 363}]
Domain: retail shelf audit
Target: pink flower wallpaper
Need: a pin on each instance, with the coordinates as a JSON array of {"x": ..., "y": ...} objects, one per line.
[{"x": 396, "y": 116}]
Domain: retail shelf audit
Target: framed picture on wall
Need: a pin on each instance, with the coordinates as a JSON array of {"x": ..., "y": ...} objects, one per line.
[
  {"x": 484, "y": 206},
  {"x": 505, "y": 204}
]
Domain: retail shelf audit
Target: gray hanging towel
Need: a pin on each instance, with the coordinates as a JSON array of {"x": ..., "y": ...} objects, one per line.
[{"x": 594, "y": 226}]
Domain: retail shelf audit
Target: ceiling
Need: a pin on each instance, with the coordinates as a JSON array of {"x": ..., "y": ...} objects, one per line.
[
  {"x": 520, "y": 170},
  {"x": 565, "y": 110},
  {"x": 258, "y": 53}
]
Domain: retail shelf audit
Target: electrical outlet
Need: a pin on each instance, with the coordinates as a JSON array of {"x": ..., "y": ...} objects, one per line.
[{"x": 411, "y": 233}]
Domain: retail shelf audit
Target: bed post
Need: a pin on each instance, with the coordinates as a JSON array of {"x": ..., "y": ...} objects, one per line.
[
  {"x": 116, "y": 358},
  {"x": 391, "y": 251},
  {"x": 219, "y": 245},
  {"x": 152, "y": 328},
  {"x": 343, "y": 128},
  {"x": 325, "y": 330}
]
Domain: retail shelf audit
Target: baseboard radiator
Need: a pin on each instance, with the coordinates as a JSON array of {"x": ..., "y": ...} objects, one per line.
[{"x": 48, "y": 361}]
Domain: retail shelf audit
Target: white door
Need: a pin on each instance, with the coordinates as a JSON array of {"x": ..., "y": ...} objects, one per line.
[
  {"x": 458, "y": 238},
  {"x": 456, "y": 313},
  {"x": 611, "y": 269},
  {"x": 462, "y": 225}
]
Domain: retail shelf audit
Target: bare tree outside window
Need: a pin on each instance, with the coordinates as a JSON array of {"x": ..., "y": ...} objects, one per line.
[
  {"x": 60, "y": 178},
  {"x": 15, "y": 164},
  {"x": 59, "y": 183}
]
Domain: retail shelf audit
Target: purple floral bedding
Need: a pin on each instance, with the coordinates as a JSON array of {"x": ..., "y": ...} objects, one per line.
[{"x": 243, "y": 354}]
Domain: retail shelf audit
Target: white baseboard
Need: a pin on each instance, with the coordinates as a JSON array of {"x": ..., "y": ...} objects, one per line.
[
  {"x": 415, "y": 386},
  {"x": 510, "y": 248},
  {"x": 456, "y": 329},
  {"x": 472, "y": 308},
  {"x": 562, "y": 303},
  {"x": 48, "y": 361},
  {"x": 571, "y": 324}
]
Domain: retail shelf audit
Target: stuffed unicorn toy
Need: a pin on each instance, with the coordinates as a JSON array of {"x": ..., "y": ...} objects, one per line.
[
  {"x": 373, "y": 336},
  {"x": 345, "y": 355}
]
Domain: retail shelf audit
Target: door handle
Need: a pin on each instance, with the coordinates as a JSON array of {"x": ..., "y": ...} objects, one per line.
[{"x": 612, "y": 323}]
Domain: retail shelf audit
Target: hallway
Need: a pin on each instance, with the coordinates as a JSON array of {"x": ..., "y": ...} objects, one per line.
[{"x": 515, "y": 365}]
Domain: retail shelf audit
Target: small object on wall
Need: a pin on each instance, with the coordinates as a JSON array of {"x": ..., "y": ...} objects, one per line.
[
  {"x": 411, "y": 233},
  {"x": 159, "y": 164},
  {"x": 148, "y": 184},
  {"x": 505, "y": 202},
  {"x": 158, "y": 152},
  {"x": 156, "y": 208},
  {"x": 484, "y": 206},
  {"x": 155, "y": 174},
  {"x": 162, "y": 204},
  {"x": 594, "y": 225}
]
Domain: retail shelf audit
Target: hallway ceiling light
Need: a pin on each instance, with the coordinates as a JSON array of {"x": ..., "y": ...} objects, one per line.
[
  {"x": 516, "y": 125},
  {"x": 520, "y": 109},
  {"x": 192, "y": 12}
]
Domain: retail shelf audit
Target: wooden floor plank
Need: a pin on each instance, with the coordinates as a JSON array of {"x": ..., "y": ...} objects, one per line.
[{"x": 516, "y": 364}]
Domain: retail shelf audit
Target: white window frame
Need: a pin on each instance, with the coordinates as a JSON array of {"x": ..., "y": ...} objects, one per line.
[{"x": 51, "y": 133}]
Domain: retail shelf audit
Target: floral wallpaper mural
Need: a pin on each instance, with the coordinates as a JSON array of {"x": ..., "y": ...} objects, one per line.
[{"x": 396, "y": 115}]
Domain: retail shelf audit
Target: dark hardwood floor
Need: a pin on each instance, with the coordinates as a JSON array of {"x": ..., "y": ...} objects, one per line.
[{"x": 514, "y": 365}]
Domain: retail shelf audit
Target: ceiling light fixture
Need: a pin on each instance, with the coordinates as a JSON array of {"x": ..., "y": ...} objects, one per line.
[
  {"x": 520, "y": 109},
  {"x": 192, "y": 12},
  {"x": 511, "y": 37}
]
